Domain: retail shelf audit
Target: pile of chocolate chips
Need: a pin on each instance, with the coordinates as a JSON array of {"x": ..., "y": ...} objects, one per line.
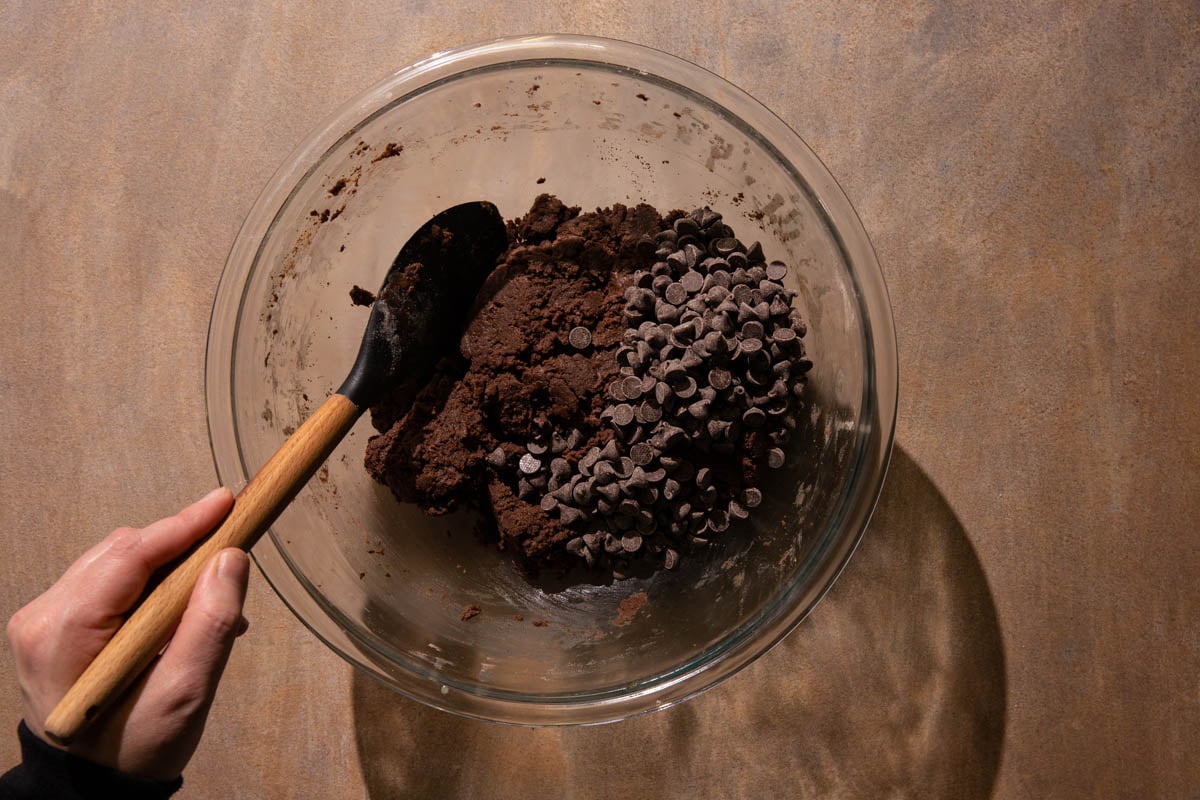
[{"x": 711, "y": 370}]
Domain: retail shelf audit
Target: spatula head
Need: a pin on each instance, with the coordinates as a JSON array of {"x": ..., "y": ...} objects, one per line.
[{"x": 423, "y": 303}]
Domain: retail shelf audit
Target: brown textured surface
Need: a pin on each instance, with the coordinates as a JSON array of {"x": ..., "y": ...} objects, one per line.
[{"x": 1022, "y": 619}]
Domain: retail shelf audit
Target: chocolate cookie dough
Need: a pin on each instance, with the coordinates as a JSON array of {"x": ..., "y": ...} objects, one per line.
[{"x": 623, "y": 381}]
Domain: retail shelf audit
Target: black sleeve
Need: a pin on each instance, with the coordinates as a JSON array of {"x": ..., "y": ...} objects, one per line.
[{"x": 48, "y": 773}]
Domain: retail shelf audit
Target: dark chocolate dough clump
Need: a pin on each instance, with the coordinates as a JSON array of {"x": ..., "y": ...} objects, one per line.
[{"x": 612, "y": 400}]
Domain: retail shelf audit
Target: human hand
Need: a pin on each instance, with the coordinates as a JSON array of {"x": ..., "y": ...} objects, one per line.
[{"x": 57, "y": 635}]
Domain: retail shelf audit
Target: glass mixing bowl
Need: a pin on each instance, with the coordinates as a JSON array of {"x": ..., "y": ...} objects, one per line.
[{"x": 596, "y": 122}]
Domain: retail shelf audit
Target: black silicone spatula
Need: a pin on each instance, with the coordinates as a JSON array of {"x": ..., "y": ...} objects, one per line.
[{"x": 418, "y": 316}]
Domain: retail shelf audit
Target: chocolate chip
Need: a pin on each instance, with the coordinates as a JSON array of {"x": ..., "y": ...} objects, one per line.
[
  {"x": 641, "y": 299},
  {"x": 582, "y": 493},
  {"x": 591, "y": 541},
  {"x": 704, "y": 474},
  {"x": 497, "y": 458},
  {"x": 718, "y": 520},
  {"x": 754, "y": 418},
  {"x": 755, "y": 253},
  {"x": 589, "y": 460},
  {"x": 745, "y": 311},
  {"x": 700, "y": 409},
  {"x": 691, "y": 282},
  {"x": 604, "y": 472},
  {"x": 665, "y": 236},
  {"x": 719, "y": 378},
  {"x": 737, "y": 510},
  {"x": 737, "y": 260},
  {"x": 777, "y": 407},
  {"x": 665, "y": 312},
  {"x": 753, "y": 330},
  {"x": 777, "y": 270},
  {"x": 758, "y": 362},
  {"x": 548, "y": 503},
  {"x": 718, "y": 429},
  {"x": 575, "y": 546},
  {"x": 662, "y": 392},
  {"x": 752, "y": 498},
  {"x": 650, "y": 413},
  {"x": 782, "y": 335},
  {"x": 622, "y": 414},
  {"x": 686, "y": 226},
  {"x": 580, "y": 338},
  {"x": 611, "y": 492},
  {"x": 675, "y": 293},
  {"x": 612, "y": 544},
  {"x": 632, "y": 387},
  {"x": 715, "y": 295},
  {"x": 670, "y": 558},
  {"x": 678, "y": 261},
  {"x": 691, "y": 359},
  {"x": 686, "y": 388},
  {"x": 775, "y": 458},
  {"x": 642, "y": 454},
  {"x": 529, "y": 464},
  {"x": 656, "y": 475},
  {"x": 670, "y": 434},
  {"x": 625, "y": 466},
  {"x": 671, "y": 489},
  {"x": 751, "y": 345},
  {"x": 723, "y": 247},
  {"x": 631, "y": 544},
  {"x": 568, "y": 515}
]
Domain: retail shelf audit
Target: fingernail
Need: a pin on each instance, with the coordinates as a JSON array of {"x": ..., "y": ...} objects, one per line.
[
  {"x": 213, "y": 494},
  {"x": 232, "y": 566}
]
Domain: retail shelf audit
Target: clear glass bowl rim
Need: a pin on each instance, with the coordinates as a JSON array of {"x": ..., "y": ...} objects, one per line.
[{"x": 879, "y": 402}]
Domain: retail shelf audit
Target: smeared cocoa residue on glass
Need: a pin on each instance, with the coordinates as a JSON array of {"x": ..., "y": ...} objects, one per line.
[
  {"x": 390, "y": 150},
  {"x": 629, "y": 608}
]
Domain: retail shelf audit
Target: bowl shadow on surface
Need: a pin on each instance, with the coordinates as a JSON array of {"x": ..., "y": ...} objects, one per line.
[{"x": 895, "y": 686}]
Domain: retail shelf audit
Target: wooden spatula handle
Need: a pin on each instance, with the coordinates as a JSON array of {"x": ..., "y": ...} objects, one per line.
[{"x": 150, "y": 627}]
